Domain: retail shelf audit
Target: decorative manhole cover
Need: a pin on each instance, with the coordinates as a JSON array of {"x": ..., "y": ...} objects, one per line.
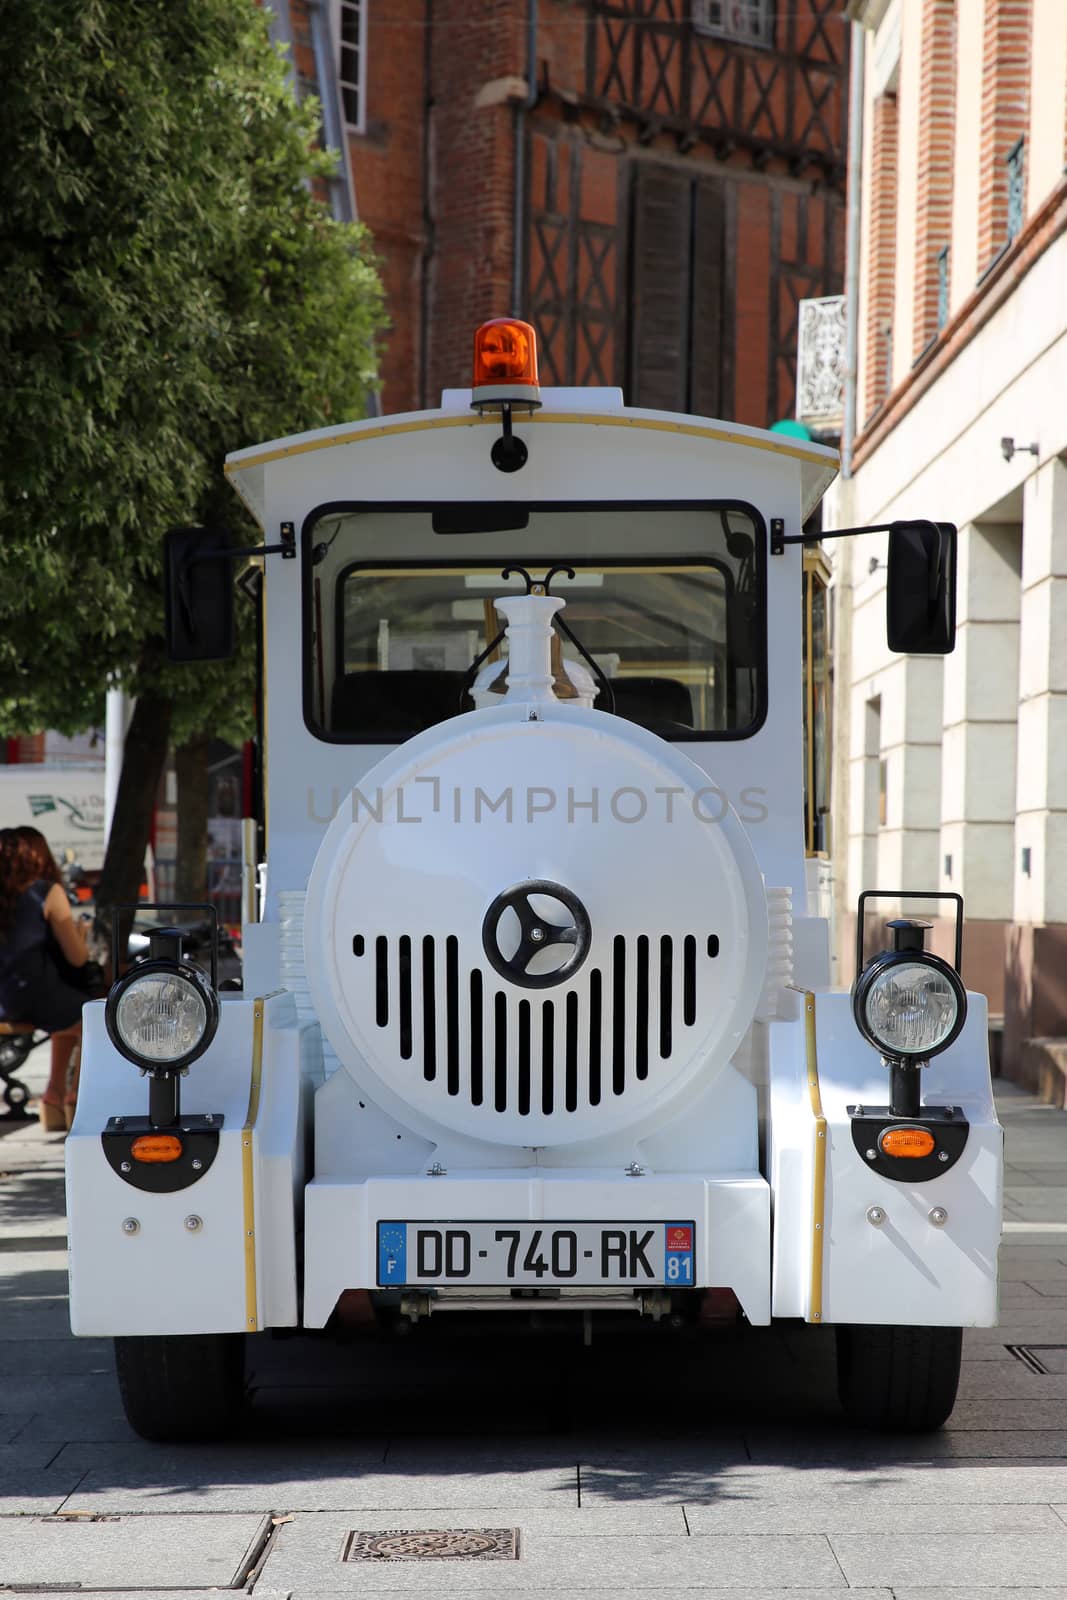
[{"x": 434, "y": 1544}]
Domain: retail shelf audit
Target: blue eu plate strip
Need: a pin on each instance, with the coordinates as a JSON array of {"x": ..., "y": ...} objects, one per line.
[{"x": 392, "y": 1253}]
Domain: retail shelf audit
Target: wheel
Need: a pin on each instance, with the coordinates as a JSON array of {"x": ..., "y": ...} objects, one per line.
[
  {"x": 181, "y": 1386},
  {"x": 901, "y": 1380}
]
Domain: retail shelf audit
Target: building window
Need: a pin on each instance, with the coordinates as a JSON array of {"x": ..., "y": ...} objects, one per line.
[
  {"x": 744, "y": 21},
  {"x": 1016, "y": 187},
  {"x": 352, "y": 61},
  {"x": 942, "y": 288},
  {"x": 681, "y": 303}
]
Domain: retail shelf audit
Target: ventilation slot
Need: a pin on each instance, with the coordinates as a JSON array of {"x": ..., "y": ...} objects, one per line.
[
  {"x": 381, "y": 981},
  {"x": 524, "y": 1058},
  {"x": 596, "y": 986},
  {"x": 689, "y": 980},
  {"x": 477, "y": 1082},
  {"x": 500, "y": 1051},
  {"x": 600, "y": 1039},
  {"x": 571, "y": 1069},
  {"x": 452, "y": 1013},
  {"x": 666, "y": 986},
  {"x": 548, "y": 1029},
  {"x": 618, "y": 1014},
  {"x": 404, "y": 984},
  {"x": 429, "y": 1011},
  {"x": 641, "y": 1027}
]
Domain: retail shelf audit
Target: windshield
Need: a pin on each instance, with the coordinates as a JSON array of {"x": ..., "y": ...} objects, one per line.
[{"x": 664, "y": 609}]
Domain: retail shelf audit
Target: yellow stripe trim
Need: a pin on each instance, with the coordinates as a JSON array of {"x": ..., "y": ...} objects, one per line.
[
  {"x": 537, "y": 419},
  {"x": 248, "y": 1171},
  {"x": 819, "y": 1180}
]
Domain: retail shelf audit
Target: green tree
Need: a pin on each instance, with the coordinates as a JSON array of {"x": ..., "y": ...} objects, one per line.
[{"x": 170, "y": 289}]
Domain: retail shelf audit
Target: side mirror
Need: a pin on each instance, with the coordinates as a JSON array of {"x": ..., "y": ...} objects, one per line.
[
  {"x": 198, "y": 594},
  {"x": 921, "y": 588}
]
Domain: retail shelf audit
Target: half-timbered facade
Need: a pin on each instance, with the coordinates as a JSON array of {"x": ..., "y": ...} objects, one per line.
[
  {"x": 653, "y": 183},
  {"x": 685, "y": 191}
]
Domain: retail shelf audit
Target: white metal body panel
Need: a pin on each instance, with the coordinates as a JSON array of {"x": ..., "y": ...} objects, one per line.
[
  {"x": 621, "y": 457},
  {"x": 907, "y": 1270},
  {"x": 715, "y": 1130},
  {"x": 669, "y": 873},
  {"x": 165, "y": 1278},
  {"x": 731, "y": 1213}
]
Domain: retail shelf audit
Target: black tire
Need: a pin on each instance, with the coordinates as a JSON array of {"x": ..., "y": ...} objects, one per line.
[
  {"x": 899, "y": 1380},
  {"x": 182, "y": 1385}
]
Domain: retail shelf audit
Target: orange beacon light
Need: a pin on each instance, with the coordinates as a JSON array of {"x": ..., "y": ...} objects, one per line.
[{"x": 505, "y": 366}]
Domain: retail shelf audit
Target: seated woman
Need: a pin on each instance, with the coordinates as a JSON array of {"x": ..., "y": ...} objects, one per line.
[{"x": 42, "y": 954}]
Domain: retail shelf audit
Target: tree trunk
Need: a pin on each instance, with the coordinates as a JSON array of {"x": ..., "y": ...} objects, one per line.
[
  {"x": 143, "y": 757},
  {"x": 190, "y": 762}
]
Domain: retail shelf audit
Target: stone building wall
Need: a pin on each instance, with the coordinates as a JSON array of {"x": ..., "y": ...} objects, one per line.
[{"x": 955, "y": 778}]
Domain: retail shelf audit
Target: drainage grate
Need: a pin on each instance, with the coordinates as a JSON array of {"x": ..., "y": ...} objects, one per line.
[
  {"x": 434, "y": 1544},
  {"x": 1045, "y": 1359}
]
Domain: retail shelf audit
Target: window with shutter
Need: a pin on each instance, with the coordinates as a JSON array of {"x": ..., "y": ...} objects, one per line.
[
  {"x": 659, "y": 304},
  {"x": 678, "y": 355},
  {"x": 709, "y": 356}
]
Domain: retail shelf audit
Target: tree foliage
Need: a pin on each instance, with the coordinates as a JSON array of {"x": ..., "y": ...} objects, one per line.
[{"x": 170, "y": 289}]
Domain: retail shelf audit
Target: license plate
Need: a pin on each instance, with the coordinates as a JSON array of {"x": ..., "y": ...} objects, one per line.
[{"x": 537, "y": 1253}]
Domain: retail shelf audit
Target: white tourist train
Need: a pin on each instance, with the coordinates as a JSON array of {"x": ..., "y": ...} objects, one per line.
[{"x": 537, "y": 1009}]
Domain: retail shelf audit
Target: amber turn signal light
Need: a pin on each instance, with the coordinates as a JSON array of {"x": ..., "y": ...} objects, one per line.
[
  {"x": 156, "y": 1147},
  {"x": 910, "y": 1142}
]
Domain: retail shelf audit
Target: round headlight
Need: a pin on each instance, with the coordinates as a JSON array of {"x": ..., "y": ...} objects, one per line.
[
  {"x": 162, "y": 1016},
  {"x": 909, "y": 1003}
]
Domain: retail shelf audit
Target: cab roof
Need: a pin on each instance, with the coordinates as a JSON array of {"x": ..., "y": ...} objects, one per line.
[{"x": 600, "y": 407}]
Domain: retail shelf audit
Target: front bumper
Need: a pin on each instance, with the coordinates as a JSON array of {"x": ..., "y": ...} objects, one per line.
[{"x": 732, "y": 1215}]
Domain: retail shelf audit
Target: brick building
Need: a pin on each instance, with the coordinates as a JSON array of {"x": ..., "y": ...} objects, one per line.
[{"x": 653, "y": 183}]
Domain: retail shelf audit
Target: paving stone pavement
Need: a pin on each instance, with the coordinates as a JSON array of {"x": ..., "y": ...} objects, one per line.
[{"x": 660, "y": 1466}]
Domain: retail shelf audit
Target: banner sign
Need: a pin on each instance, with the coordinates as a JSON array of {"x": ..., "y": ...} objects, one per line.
[{"x": 65, "y": 803}]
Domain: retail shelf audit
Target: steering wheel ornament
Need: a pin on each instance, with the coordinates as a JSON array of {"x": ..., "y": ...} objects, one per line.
[{"x": 537, "y": 933}]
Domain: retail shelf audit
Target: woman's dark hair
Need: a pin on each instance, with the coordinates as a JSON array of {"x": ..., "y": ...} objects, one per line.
[{"x": 25, "y": 859}]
